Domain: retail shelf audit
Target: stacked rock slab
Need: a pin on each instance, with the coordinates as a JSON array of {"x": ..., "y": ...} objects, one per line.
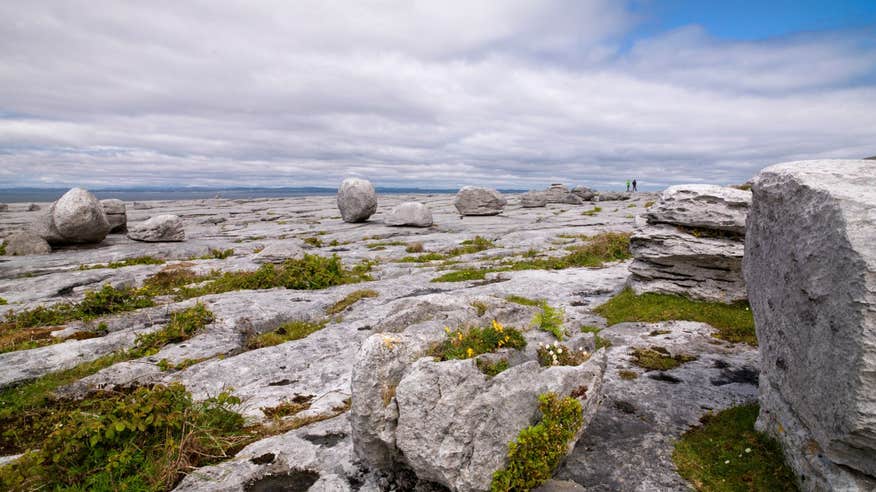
[
  {"x": 116, "y": 214},
  {"x": 584, "y": 193},
  {"x": 691, "y": 243},
  {"x": 474, "y": 200},
  {"x": 533, "y": 199},
  {"x": 810, "y": 265},
  {"x": 559, "y": 193},
  {"x": 412, "y": 214},
  {"x": 357, "y": 200},
  {"x": 76, "y": 217}
]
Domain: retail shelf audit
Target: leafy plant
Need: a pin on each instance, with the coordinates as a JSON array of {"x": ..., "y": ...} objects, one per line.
[
  {"x": 558, "y": 354},
  {"x": 140, "y": 260},
  {"x": 492, "y": 368},
  {"x": 466, "y": 344},
  {"x": 550, "y": 319},
  {"x": 313, "y": 241},
  {"x": 538, "y": 449},
  {"x": 217, "y": 254},
  {"x": 182, "y": 326}
]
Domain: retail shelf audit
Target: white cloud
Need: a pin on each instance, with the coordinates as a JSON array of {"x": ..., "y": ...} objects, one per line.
[{"x": 513, "y": 94}]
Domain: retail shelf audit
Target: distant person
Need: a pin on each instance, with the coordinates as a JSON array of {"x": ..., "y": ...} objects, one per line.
[
  {"x": 634, "y": 186},
  {"x": 628, "y": 186}
]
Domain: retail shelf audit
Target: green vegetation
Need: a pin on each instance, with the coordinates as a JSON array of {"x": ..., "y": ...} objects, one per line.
[
  {"x": 313, "y": 241},
  {"x": 463, "y": 275},
  {"x": 734, "y": 322},
  {"x": 3, "y": 302},
  {"x": 182, "y": 326},
  {"x": 293, "y": 330},
  {"x": 550, "y": 319},
  {"x": 538, "y": 449},
  {"x": 140, "y": 260},
  {"x": 523, "y": 300},
  {"x": 145, "y": 439},
  {"x": 558, "y": 354},
  {"x": 309, "y": 273},
  {"x": 628, "y": 375},
  {"x": 632, "y": 205},
  {"x": 491, "y": 368},
  {"x": 33, "y": 327},
  {"x": 726, "y": 454},
  {"x": 476, "y": 341},
  {"x": 708, "y": 233},
  {"x": 468, "y": 246},
  {"x": 599, "y": 341},
  {"x": 217, "y": 254},
  {"x": 424, "y": 258},
  {"x": 173, "y": 277},
  {"x": 351, "y": 299},
  {"x": 480, "y": 307},
  {"x": 384, "y": 245},
  {"x": 297, "y": 404},
  {"x": 659, "y": 359},
  {"x": 414, "y": 248},
  {"x": 593, "y": 211},
  {"x": 649, "y": 204},
  {"x": 2, "y": 248}
]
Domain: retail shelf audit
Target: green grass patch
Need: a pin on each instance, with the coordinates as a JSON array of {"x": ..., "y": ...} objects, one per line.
[
  {"x": 2, "y": 248},
  {"x": 491, "y": 368},
  {"x": 182, "y": 326},
  {"x": 292, "y": 330},
  {"x": 593, "y": 211},
  {"x": 466, "y": 344},
  {"x": 313, "y": 241},
  {"x": 659, "y": 359},
  {"x": 423, "y": 258},
  {"x": 3, "y": 302},
  {"x": 351, "y": 299},
  {"x": 734, "y": 322},
  {"x": 538, "y": 449},
  {"x": 550, "y": 319},
  {"x": 649, "y": 204},
  {"x": 480, "y": 307},
  {"x": 463, "y": 275},
  {"x": 140, "y": 260},
  {"x": 468, "y": 246},
  {"x": 523, "y": 300},
  {"x": 599, "y": 249},
  {"x": 726, "y": 454},
  {"x": 628, "y": 375},
  {"x": 145, "y": 439},
  {"x": 217, "y": 254}
]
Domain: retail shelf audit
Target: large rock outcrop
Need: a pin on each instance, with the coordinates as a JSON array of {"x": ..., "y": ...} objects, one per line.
[
  {"x": 413, "y": 214},
  {"x": 357, "y": 200},
  {"x": 474, "y": 200},
  {"x": 584, "y": 193},
  {"x": 559, "y": 193},
  {"x": 116, "y": 214},
  {"x": 810, "y": 265},
  {"x": 533, "y": 199},
  {"x": 76, "y": 217},
  {"x": 158, "y": 229},
  {"x": 691, "y": 243}
]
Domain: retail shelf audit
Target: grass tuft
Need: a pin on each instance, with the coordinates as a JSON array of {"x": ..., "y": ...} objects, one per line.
[
  {"x": 491, "y": 368},
  {"x": 550, "y": 319},
  {"x": 659, "y": 359},
  {"x": 351, "y": 299},
  {"x": 734, "y": 322},
  {"x": 726, "y": 454},
  {"x": 525, "y": 301},
  {"x": 293, "y": 330},
  {"x": 593, "y": 211},
  {"x": 140, "y": 260}
]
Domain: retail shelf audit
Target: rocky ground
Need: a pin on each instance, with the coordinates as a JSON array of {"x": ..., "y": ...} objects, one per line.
[{"x": 627, "y": 445}]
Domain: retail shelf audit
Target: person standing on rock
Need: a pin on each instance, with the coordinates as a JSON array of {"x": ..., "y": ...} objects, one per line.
[
  {"x": 634, "y": 185},
  {"x": 628, "y": 186}
]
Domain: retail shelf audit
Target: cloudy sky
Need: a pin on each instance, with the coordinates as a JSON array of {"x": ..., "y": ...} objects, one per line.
[{"x": 508, "y": 93}]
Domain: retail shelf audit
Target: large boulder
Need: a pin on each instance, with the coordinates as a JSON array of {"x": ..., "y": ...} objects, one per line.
[
  {"x": 475, "y": 200},
  {"x": 533, "y": 199},
  {"x": 357, "y": 200},
  {"x": 810, "y": 266},
  {"x": 681, "y": 250},
  {"x": 559, "y": 193},
  {"x": 26, "y": 243},
  {"x": 413, "y": 214},
  {"x": 158, "y": 229},
  {"x": 76, "y": 217},
  {"x": 719, "y": 208},
  {"x": 116, "y": 214},
  {"x": 584, "y": 193}
]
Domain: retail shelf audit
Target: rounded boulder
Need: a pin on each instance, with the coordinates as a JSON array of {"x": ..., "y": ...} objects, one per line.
[{"x": 357, "y": 200}]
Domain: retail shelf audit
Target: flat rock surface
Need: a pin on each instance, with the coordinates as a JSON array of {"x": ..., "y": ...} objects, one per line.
[{"x": 319, "y": 366}]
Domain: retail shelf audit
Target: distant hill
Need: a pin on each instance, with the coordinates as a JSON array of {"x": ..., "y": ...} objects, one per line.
[{"x": 870, "y": 158}]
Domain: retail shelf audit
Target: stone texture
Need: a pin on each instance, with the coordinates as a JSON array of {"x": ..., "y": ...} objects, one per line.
[
  {"x": 473, "y": 200},
  {"x": 584, "y": 193},
  {"x": 533, "y": 199},
  {"x": 280, "y": 252},
  {"x": 4, "y": 207},
  {"x": 611, "y": 196},
  {"x": 158, "y": 229},
  {"x": 719, "y": 208},
  {"x": 357, "y": 200},
  {"x": 676, "y": 252},
  {"x": 559, "y": 193},
  {"x": 810, "y": 266},
  {"x": 413, "y": 214},
  {"x": 33, "y": 207},
  {"x": 26, "y": 243},
  {"x": 116, "y": 215},
  {"x": 76, "y": 217}
]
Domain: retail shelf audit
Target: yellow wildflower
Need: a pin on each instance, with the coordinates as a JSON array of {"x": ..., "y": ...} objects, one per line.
[
  {"x": 470, "y": 352},
  {"x": 447, "y": 330}
]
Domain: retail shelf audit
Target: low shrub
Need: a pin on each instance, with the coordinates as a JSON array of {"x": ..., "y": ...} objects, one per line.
[
  {"x": 466, "y": 344},
  {"x": 351, "y": 299},
  {"x": 726, "y": 454},
  {"x": 538, "y": 449},
  {"x": 550, "y": 319},
  {"x": 558, "y": 354},
  {"x": 292, "y": 330},
  {"x": 659, "y": 359},
  {"x": 182, "y": 326},
  {"x": 313, "y": 241},
  {"x": 492, "y": 368},
  {"x": 217, "y": 254},
  {"x": 297, "y": 404},
  {"x": 414, "y": 248},
  {"x": 734, "y": 322}
]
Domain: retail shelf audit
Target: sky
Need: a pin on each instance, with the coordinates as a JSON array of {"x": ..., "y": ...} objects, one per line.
[{"x": 434, "y": 94}]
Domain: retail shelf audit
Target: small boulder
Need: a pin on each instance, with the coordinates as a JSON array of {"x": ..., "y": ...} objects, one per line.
[
  {"x": 413, "y": 214},
  {"x": 116, "y": 214},
  {"x": 158, "y": 229},
  {"x": 4, "y": 207},
  {"x": 533, "y": 199},
  {"x": 76, "y": 217},
  {"x": 475, "y": 200},
  {"x": 26, "y": 243},
  {"x": 33, "y": 207},
  {"x": 559, "y": 193},
  {"x": 611, "y": 196},
  {"x": 279, "y": 252},
  {"x": 357, "y": 200},
  {"x": 584, "y": 193}
]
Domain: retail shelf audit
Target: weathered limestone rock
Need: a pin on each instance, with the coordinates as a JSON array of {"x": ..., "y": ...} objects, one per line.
[
  {"x": 158, "y": 229},
  {"x": 76, "y": 217},
  {"x": 675, "y": 252},
  {"x": 474, "y": 200},
  {"x": 116, "y": 215},
  {"x": 533, "y": 199},
  {"x": 611, "y": 196},
  {"x": 413, "y": 214},
  {"x": 4, "y": 207},
  {"x": 559, "y": 193},
  {"x": 810, "y": 265},
  {"x": 357, "y": 200},
  {"x": 584, "y": 193},
  {"x": 33, "y": 207},
  {"x": 719, "y": 208},
  {"x": 26, "y": 243},
  {"x": 279, "y": 253}
]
